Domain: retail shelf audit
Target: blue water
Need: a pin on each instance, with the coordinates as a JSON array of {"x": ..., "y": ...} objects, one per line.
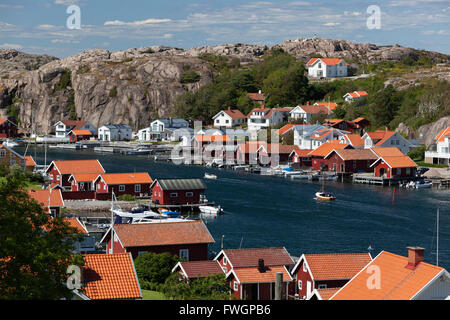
[{"x": 264, "y": 211}]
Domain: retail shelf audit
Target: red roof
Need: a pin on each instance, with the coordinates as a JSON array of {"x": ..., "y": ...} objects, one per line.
[
  {"x": 77, "y": 166},
  {"x": 337, "y": 266},
  {"x": 257, "y": 96},
  {"x": 212, "y": 138},
  {"x": 30, "y": 161},
  {"x": 249, "y": 257},
  {"x": 325, "y": 148},
  {"x": 126, "y": 178},
  {"x": 354, "y": 154},
  {"x": 285, "y": 128},
  {"x": 74, "y": 123},
  {"x": 235, "y": 113},
  {"x": 380, "y": 136},
  {"x": 301, "y": 152},
  {"x": 331, "y": 105},
  {"x": 110, "y": 276},
  {"x": 162, "y": 234},
  {"x": 327, "y": 61},
  {"x": 199, "y": 269},
  {"x": 251, "y": 146},
  {"x": 442, "y": 134},
  {"x": 77, "y": 224},
  {"x": 84, "y": 177},
  {"x": 354, "y": 139},
  {"x": 253, "y": 275},
  {"x": 42, "y": 197},
  {"x": 311, "y": 109},
  {"x": 396, "y": 282}
]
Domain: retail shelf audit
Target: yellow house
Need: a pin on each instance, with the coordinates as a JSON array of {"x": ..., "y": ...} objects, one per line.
[{"x": 9, "y": 157}]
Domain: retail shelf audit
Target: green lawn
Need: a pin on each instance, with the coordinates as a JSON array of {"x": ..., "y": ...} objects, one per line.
[
  {"x": 152, "y": 295},
  {"x": 431, "y": 165}
]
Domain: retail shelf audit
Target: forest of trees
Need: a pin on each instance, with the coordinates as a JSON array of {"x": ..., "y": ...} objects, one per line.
[{"x": 283, "y": 81}]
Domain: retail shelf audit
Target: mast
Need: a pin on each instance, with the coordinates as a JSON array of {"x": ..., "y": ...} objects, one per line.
[{"x": 437, "y": 240}]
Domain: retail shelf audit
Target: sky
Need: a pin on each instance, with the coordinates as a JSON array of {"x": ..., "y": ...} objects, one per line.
[{"x": 46, "y": 27}]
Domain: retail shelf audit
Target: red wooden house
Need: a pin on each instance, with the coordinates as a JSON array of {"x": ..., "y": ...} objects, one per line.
[
  {"x": 8, "y": 129},
  {"x": 318, "y": 155},
  {"x": 79, "y": 135},
  {"x": 30, "y": 163},
  {"x": 326, "y": 272},
  {"x": 51, "y": 200},
  {"x": 247, "y": 152},
  {"x": 187, "y": 239},
  {"x": 177, "y": 191},
  {"x": 300, "y": 157},
  {"x": 83, "y": 181},
  {"x": 274, "y": 154},
  {"x": 340, "y": 124},
  {"x": 133, "y": 183},
  {"x": 350, "y": 160},
  {"x": 392, "y": 163},
  {"x": 251, "y": 272},
  {"x": 59, "y": 171}
]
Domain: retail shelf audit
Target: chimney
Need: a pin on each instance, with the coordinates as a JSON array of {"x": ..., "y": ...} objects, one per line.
[
  {"x": 261, "y": 267},
  {"x": 415, "y": 256},
  {"x": 259, "y": 91},
  {"x": 307, "y": 103}
]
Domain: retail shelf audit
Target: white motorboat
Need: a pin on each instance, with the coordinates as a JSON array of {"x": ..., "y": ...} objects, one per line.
[
  {"x": 423, "y": 184},
  {"x": 10, "y": 143},
  {"x": 211, "y": 209},
  {"x": 210, "y": 176}
]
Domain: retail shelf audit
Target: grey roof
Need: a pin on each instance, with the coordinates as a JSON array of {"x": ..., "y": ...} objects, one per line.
[
  {"x": 181, "y": 184},
  {"x": 118, "y": 126},
  {"x": 309, "y": 129},
  {"x": 174, "y": 122}
]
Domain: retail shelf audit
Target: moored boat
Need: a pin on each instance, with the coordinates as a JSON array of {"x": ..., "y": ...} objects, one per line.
[
  {"x": 210, "y": 176},
  {"x": 210, "y": 209}
]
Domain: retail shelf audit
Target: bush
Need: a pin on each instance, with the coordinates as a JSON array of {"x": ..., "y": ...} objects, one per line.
[
  {"x": 126, "y": 197},
  {"x": 153, "y": 269},
  {"x": 190, "y": 76},
  {"x": 113, "y": 92}
]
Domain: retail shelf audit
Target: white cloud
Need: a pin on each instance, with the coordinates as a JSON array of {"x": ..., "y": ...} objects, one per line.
[
  {"x": 136, "y": 23},
  {"x": 46, "y": 27},
  {"x": 10, "y": 46},
  {"x": 10, "y": 6},
  {"x": 331, "y": 24},
  {"x": 66, "y": 2}
]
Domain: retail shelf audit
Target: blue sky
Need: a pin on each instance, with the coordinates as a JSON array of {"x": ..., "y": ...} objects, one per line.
[{"x": 39, "y": 26}]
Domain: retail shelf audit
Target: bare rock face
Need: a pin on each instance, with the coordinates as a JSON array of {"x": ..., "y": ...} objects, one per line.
[
  {"x": 132, "y": 87},
  {"x": 429, "y": 131}
]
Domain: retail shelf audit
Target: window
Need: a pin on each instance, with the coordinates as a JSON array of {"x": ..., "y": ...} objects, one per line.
[
  {"x": 121, "y": 187},
  {"x": 304, "y": 267},
  {"x": 236, "y": 286},
  {"x": 51, "y": 177},
  {"x": 140, "y": 253},
  {"x": 2, "y": 153},
  {"x": 300, "y": 285},
  {"x": 174, "y": 195},
  {"x": 189, "y": 194},
  {"x": 137, "y": 188},
  {"x": 184, "y": 254},
  {"x": 224, "y": 261},
  {"x": 322, "y": 286}
]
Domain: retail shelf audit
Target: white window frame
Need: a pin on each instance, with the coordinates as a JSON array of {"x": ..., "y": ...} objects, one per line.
[
  {"x": 304, "y": 266},
  {"x": 137, "y": 188},
  {"x": 300, "y": 285},
  {"x": 2, "y": 153},
  {"x": 236, "y": 286},
  {"x": 184, "y": 253},
  {"x": 174, "y": 195},
  {"x": 322, "y": 286},
  {"x": 189, "y": 194},
  {"x": 224, "y": 261},
  {"x": 121, "y": 187}
]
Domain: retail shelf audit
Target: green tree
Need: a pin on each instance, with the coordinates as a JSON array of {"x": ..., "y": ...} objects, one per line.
[
  {"x": 385, "y": 106},
  {"x": 214, "y": 287},
  {"x": 154, "y": 268},
  {"x": 33, "y": 262}
]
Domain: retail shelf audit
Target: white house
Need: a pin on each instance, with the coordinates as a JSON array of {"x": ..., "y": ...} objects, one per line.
[
  {"x": 308, "y": 111},
  {"x": 262, "y": 118},
  {"x": 385, "y": 138},
  {"x": 313, "y": 136},
  {"x": 162, "y": 128},
  {"x": 442, "y": 153},
  {"x": 327, "y": 68},
  {"x": 115, "y": 132},
  {"x": 355, "y": 95},
  {"x": 229, "y": 118},
  {"x": 63, "y": 127}
]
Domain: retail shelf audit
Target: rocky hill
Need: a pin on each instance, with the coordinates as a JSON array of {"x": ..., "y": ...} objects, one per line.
[{"x": 135, "y": 86}]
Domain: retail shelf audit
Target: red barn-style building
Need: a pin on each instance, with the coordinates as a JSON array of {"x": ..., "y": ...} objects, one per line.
[
  {"x": 133, "y": 183},
  {"x": 318, "y": 155},
  {"x": 8, "y": 129},
  {"x": 300, "y": 157},
  {"x": 190, "y": 270},
  {"x": 187, "y": 239},
  {"x": 392, "y": 163},
  {"x": 351, "y": 160},
  {"x": 51, "y": 200},
  {"x": 325, "y": 272},
  {"x": 177, "y": 191},
  {"x": 259, "y": 264},
  {"x": 59, "y": 171},
  {"x": 79, "y": 135}
]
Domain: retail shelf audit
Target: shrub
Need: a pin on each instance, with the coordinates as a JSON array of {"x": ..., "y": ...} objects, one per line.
[
  {"x": 153, "y": 268},
  {"x": 126, "y": 197},
  {"x": 190, "y": 76},
  {"x": 113, "y": 92}
]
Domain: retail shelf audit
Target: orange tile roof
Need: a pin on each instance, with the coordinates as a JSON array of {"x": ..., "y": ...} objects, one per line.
[
  {"x": 336, "y": 265},
  {"x": 387, "y": 151},
  {"x": 325, "y": 148},
  {"x": 77, "y": 224},
  {"x": 235, "y": 113},
  {"x": 355, "y": 154},
  {"x": 301, "y": 152},
  {"x": 396, "y": 281},
  {"x": 82, "y": 132},
  {"x": 326, "y": 294},
  {"x": 212, "y": 138},
  {"x": 331, "y": 105},
  {"x": 30, "y": 161},
  {"x": 196, "y": 269},
  {"x": 41, "y": 196},
  {"x": 78, "y": 166},
  {"x": 253, "y": 275},
  {"x": 84, "y": 177},
  {"x": 279, "y": 148},
  {"x": 442, "y": 134},
  {"x": 110, "y": 276},
  {"x": 251, "y": 146},
  {"x": 3, "y": 120},
  {"x": 312, "y": 109},
  {"x": 380, "y": 136},
  {"x": 327, "y": 61},
  {"x": 164, "y": 233},
  {"x": 126, "y": 178},
  {"x": 354, "y": 139},
  {"x": 285, "y": 128},
  {"x": 399, "y": 162}
]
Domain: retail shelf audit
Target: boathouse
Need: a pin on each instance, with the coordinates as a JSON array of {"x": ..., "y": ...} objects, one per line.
[
  {"x": 299, "y": 157},
  {"x": 392, "y": 164},
  {"x": 79, "y": 135},
  {"x": 59, "y": 171},
  {"x": 187, "y": 239},
  {"x": 133, "y": 183},
  {"x": 318, "y": 155},
  {"x": 351, "y": 160},
  {"x": 51, "y": 200},
  {"x": 326, "y": 273},
  {"x": 177, "y": 191}
]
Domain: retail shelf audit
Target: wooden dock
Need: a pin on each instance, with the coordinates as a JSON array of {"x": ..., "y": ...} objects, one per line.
[{"x": 369, "y": 178}]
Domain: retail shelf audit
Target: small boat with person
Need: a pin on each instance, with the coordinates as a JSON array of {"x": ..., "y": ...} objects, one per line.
[{"x": 324, "y": 196}]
